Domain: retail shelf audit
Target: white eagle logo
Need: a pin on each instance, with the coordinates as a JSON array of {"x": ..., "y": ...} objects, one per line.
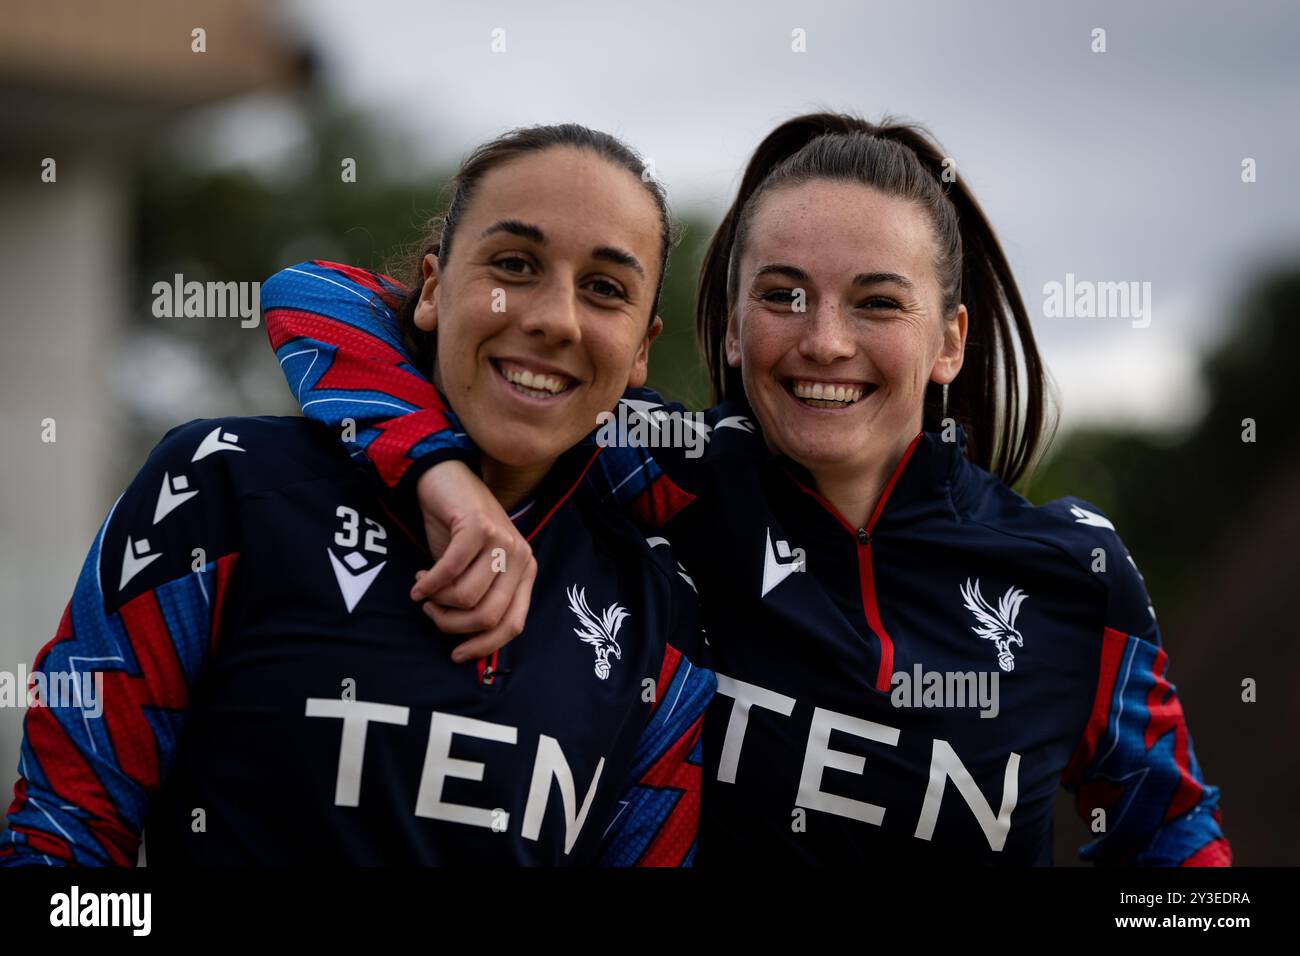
[
  {"x": 601, "y": 633},
  {"x": 998, "y": 626}
]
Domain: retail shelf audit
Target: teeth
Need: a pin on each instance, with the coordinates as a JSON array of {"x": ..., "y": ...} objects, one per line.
[
  {"x": 537, "y": 382},
  {"x": 826, "y": 392}
]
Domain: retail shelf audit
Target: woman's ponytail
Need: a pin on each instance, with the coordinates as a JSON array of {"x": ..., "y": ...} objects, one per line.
[{"x": 1002, "y": 405}]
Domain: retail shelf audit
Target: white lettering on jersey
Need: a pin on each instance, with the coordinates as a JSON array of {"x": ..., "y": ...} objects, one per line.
[
  {"x": 744, "y": 696},
  {"x": 550, "y": 764},
  {"x": 945, "y": 765},
  {"x": 356, "y": 716},
  {"x": 818, "y": 756},
  {"x": 439, "y": 764}
]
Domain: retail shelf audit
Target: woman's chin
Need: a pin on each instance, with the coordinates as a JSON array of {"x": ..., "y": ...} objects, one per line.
[
  {"x": 812, "y": 451},
  {"x": 525, "y": 447}
]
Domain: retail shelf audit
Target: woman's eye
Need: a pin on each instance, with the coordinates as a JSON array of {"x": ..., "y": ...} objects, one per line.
[
  {"x": 514, "y": 264},
  {"x": 606, "y": 289},
  {"x": 879, "y": 302},
  {"x": 779, "y": 296}
]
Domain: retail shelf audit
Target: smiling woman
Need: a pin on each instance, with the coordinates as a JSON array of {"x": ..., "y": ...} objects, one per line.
[
  {"x": 840, "y": 384},
  {"x": 864, "y": 534},
  {"x": 325, "y": 688},
  {"x": 535, "y": 306}
]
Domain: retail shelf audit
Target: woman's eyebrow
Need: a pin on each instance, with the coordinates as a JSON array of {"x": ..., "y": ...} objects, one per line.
[
  {"x": 876, "y": 278},
  {"x": 516, "y": 228},
  {"x": 619, "y": 257},
  {"x": 780, "y": 269},
  {"x": 524, "y": 230}
]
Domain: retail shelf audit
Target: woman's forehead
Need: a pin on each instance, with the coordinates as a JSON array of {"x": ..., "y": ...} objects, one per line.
[
  {"x": 569, "y": 194},
  {"x": 832, "y": 228}
]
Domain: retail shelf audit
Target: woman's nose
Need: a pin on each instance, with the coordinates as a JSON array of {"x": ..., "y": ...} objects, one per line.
[
  {"x": 554, "y": 312},
  {"x": 828, "y": 337}
]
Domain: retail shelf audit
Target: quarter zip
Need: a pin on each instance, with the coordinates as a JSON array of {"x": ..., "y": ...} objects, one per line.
[
  {"x": 867, "y": 585},
  {"x": 866, "y": 570},
  {"x": 491, "y": 670}
]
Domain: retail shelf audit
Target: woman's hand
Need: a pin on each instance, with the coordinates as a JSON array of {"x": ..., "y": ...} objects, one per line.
[{"x": 482, "y": 578}]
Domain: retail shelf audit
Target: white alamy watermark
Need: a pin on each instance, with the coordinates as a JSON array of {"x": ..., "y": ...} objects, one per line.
[
  {"x": 946, "y": 689},
  {"x": 1085, "y": 299},
  {"x": 75, "y": 908},
  {"x": 80, "y": 689},
  {"x": 208, "y": 300},
  {"x": 639, "y": 424}
]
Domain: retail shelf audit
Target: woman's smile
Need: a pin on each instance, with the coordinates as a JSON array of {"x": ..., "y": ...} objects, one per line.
[
  {"x": 828, "y": 395},
  {"x": 533, "y": 382}
]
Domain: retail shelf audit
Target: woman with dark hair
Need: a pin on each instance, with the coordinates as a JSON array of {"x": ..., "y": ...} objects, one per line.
[
  {"x": 910, "y": 656},
  {"x": 271, "y": 694}
]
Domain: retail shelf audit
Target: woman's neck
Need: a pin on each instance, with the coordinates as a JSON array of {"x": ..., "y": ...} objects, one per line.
[
  {"x": 854, "y": 493},
  {"x": 510, "y": 484},
  {"x": 854, "y": 490}
]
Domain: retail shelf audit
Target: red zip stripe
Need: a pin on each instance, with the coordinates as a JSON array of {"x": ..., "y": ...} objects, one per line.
[
  {"x": 893, "y": 480},
  {"x": 868, "y": 584},
  {"x": 482, "y": 664},
  {"x": 866, "y": 573}
]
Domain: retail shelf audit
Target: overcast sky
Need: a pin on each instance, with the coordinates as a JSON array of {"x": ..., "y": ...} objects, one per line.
[{"x": 1115, "y": 166}]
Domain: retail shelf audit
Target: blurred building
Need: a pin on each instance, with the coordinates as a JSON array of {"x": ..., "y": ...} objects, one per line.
[{"x": 85, "y": 84}]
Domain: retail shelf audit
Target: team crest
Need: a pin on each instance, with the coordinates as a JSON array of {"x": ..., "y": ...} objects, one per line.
[
  {"x": 996, "y": 625},
  {"x": 601, "y": 633}
]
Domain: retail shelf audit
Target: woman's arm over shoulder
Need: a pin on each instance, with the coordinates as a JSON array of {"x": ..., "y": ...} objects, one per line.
[
  {"x": 658, "y": 454},
  {"x": 335, "y": 332}
]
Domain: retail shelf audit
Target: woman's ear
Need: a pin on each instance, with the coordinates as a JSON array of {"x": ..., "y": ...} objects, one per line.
[
  {"x": 953, "y": 351},
  {"x": 733, "y": 339},
  {"x": 426, "y": 310},
  {"x": 641, "y": 364}
]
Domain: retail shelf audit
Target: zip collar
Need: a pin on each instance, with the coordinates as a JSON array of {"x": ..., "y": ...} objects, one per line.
[
  {"x": 529, "y": 517},
  {"x": 929, "y": 473}
]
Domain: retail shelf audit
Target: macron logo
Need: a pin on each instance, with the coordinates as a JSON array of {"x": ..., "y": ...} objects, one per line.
[
  {"x": 739, "y": 422},
  {"x": 175, "y": 492},
  {"x": 780, "y": 562},
  {"x": 136, "y": 559},
  {"x": 353, "y": 582},
  {"x": 216, "y": 441},
  {"x": 1084, "y": 516}
]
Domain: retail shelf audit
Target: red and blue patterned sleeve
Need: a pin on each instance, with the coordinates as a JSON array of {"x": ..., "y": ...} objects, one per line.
[
  {"x": 1138, "y": 784},
  {"x": 109, "y": 694},
  {"x": 649, "y": 480},
  {"x": 658, "y": 816},
  {"x": 335, "y": 331}
]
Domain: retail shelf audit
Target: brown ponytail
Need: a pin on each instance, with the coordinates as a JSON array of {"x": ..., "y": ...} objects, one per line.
[{"x": 1003, "y": 411}]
